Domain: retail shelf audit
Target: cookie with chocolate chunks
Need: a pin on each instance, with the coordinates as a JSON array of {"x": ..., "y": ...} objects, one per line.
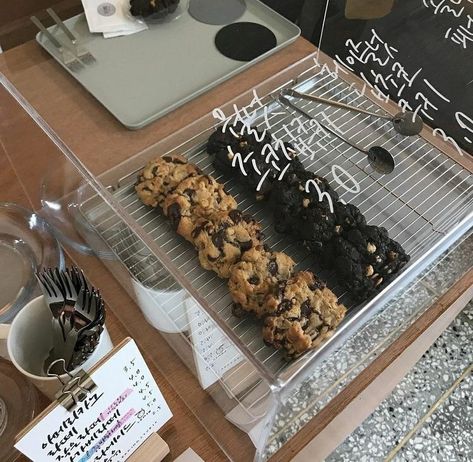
[
  {"x": 194, "y": 198},
  {"x": 365, "y": 258},
  {"x": 223, "y": 239},
  {"x": 161, "y": 176},
  {"x": 253, "y": 156},
  {"x": 256, "y": 276},
  {"x": 303, "y": 312}
]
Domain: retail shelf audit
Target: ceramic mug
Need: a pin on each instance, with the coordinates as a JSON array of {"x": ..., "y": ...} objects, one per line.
[
  {"x": 164, "y": 308},
  {"x": 29, "y": 340}
]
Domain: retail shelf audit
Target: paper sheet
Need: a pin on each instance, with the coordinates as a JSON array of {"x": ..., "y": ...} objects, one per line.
[
  {"x": 214, "y": 353},
  {"x": 110, "y": 424}
]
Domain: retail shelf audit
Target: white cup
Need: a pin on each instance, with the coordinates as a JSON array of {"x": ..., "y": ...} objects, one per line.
[
  {"x": 164, "y": 309},
  {"x": 29, "y": 340}
]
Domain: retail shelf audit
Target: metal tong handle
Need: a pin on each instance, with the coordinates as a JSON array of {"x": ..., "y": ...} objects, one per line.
[
  {"x": 63, "y": 27},
  {"x": 333, "y": 103},
  {"x": 286, "y": 102},
  {"x": 45, "y": 31}
]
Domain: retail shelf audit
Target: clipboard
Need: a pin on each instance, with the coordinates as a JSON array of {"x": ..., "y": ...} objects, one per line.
[{"x": 117, "y": 402}]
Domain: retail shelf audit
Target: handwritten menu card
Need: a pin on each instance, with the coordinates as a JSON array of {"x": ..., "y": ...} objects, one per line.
[
  {"x": 110, "y": 424},
  {"x": 214, "y": 354}
]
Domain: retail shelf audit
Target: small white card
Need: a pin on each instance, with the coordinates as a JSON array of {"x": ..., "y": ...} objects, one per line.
[
  {"x": 111, "y": 16},
  {"x": 214, "y": 354},
  {"x": 110, "y": 424}
]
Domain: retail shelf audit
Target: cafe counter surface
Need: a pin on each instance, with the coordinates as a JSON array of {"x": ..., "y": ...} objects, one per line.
[{"x": 436, "y": 297}]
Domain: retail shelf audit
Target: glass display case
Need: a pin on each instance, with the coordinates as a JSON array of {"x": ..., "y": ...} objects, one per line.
[
  {"x": 340, "y": 109},
  {"x": 248, "y": 395}
]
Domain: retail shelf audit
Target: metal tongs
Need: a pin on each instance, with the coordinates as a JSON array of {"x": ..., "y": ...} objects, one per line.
[
  {"x": 406, "y": 123},
  {"x": 379, "y": 158},
  {"x": 73, "y": 55}
]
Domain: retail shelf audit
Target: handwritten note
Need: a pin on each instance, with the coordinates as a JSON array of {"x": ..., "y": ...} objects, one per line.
[
  {"x": 385, "y": 76},
  {"x": 214, "y": 353},
  {"x": 461, "y": 32},
  {"x": 110, "y": 424},
  {"x": 296, "y": 133}
]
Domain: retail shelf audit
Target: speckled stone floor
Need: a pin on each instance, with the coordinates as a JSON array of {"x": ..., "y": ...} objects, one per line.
[{"x": 429, "y": 415}]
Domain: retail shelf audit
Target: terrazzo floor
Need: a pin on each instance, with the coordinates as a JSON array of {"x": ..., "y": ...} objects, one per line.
[
  {"x": 429, "y": 415},
  {"x": 339, "y": 369}
]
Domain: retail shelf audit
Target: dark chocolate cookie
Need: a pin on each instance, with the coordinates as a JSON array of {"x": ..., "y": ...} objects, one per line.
[
  {"x": 252, "y": 156},
  {"x": 365, "y": 259},
  {"x": 153, "y": 9}
]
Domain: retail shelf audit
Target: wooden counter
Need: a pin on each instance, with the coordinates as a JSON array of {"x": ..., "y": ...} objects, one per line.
[
  {"x": 88, "y": 129},
  {"x": 100, "y": 142}
]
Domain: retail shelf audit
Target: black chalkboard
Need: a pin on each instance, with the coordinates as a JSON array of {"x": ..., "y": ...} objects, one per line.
[{"x": 430, "y": 40}]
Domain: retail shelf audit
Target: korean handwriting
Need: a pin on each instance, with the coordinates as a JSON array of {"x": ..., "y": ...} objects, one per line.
[
  {"x": 387, "y": 76},
  {"x": 307, "y": 137},
  {"x": 461, "y": 33}
]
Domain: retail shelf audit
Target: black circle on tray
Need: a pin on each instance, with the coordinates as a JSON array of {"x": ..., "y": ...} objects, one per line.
[
  {"x": 244, "y": 41},
  {"x": 216, "y": 12}
]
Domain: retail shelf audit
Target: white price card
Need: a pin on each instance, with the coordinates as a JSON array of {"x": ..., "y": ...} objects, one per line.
[
  {"x": 113, "y": 420},
  {"x": 111, "y": 16},
  {"x": 214, "y": 354}
]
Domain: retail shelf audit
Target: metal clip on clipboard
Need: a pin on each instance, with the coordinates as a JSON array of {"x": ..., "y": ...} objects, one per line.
[{"x": 75, "y": 389}]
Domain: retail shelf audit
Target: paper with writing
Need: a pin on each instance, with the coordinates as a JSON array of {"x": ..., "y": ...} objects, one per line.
[
  {"x": 110, "y": 424},
  {"x": 213, "y": 352}
]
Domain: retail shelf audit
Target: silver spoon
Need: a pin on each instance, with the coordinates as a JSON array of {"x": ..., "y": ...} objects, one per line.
[
  {"x": 379, "y": 158},
  {"x": 405, "y": 123}
]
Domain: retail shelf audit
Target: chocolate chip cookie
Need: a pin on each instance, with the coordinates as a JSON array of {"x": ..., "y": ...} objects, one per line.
[
  {"x": 307, "y": 207},
  {"x": 303, "y": 313},
  {"x": 223, "y": 238},
  {"x": 252, "y": 156},
  {"x": 257, "y": 276},
  {"x": 194, "y": 198},
  {"x": 365, "y": 258},
  {"x": 161, "y": 176}
]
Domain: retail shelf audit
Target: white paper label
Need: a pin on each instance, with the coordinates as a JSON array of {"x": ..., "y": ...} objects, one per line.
[
  {"x": 111, "y": 16},
  {"x": 110, "y": 424},
  {"x": 213, "y": 352}
]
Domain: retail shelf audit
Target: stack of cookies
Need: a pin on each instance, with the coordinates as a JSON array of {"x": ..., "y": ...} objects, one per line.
[
  {"x": 298, "y": 310},
  {"x": 305, "y": 205}
]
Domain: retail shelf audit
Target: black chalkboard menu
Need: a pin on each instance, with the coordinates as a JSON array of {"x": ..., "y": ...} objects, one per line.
[{"x": 416, "y": 52}]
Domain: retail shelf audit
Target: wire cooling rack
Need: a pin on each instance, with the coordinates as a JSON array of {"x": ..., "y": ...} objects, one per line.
[{"x": 421, "y": 203}]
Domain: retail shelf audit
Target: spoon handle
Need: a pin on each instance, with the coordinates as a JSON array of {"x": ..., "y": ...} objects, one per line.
[
  {"x": 286, "y": 102},
  {"x": 334, "y": 103}
]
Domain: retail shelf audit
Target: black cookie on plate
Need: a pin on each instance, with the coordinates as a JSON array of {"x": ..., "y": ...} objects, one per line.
[{"x": 153, "y": 9}]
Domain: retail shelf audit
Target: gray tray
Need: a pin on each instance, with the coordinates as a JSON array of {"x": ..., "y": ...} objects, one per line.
[{"x": 140, "y": 78}]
